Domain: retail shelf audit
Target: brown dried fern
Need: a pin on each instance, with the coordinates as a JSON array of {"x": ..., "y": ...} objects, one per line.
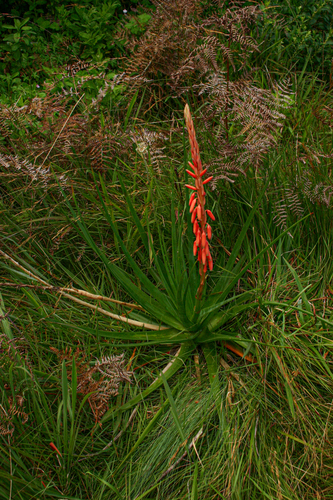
[
  {"x": 101, "y": 379},
  {"x": 16, "y": 409}
]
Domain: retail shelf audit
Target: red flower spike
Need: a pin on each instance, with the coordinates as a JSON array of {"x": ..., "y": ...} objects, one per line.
[
  {"x": 201, "y": 230},
  {"x": 209, "y": 213},
  {"x": 208, "y": 179},
  {"x": 191, "y": 174},
  {"x": 193, "y": 205}
]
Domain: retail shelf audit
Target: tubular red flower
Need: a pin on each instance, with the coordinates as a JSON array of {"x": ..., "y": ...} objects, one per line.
[
  {"x": 194, "y": 214},
  {"x": 203, "y": 240},
  {"x": 203, "y": 256},
  {"x": 190, "y": 187},
  {"x": 193, "y": 205},
  {"x": 199, "y": 210},
  {"x": 198, "y": 238},
  {"x": 192, "y": 198},
  {"x": 195, "y": 248},
  {"x": 191, "y": 174},
  {"x": 209, "y": 232},
  {"x": 208, "y": 179},
  {"x": 203, "y": 172},
  {"x": 209, "y": 213}
]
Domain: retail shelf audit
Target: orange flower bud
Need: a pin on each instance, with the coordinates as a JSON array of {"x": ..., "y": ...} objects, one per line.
[
  {"x": 203, "y": 240},
  {"x": 195, "y": 248},
  {"x": 190, "y": 187},
  {"x": 210, "y": 264},
  {"x": 197, "y": 240},
  {"x": 193, "y": 205},
  {"x": 193, "y": 214},
  {"x": 191, "y": 174},
  {"x": 203, "y": 257},
  {"x": 199, "y": 212},
  {"x": 203, "y": 172},
  {"x": 192, "y": 198},
  {"x": 209, "y": 213},
  {"x": 207, "y": 180},
  {"x": 209, "y": 232},
  {"x": 195, "y": 227}
]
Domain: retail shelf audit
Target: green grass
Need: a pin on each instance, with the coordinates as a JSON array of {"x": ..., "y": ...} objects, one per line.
[{"x": 261, "y": 428}]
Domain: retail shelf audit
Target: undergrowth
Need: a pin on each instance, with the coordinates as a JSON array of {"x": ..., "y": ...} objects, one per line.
[{"x": 261, "y": 428}]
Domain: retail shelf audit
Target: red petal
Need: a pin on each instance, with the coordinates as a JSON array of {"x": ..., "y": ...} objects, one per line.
[
  {"x": 203, "y": 240},
  {"x": 195, "y": 227},
  {"x": 203, "y": 172},
  {"x": 190, "y": 187},
  {"x": 54, "y": 448},
  {"x": 195, "y": 249},
  {"x": 194, "y": 214},
  {"x": 209, "y": 232},
  {"x": 203, "y": 256},
  {"x": 210, "y": 264},
  {"x": 199, "y": 212}
]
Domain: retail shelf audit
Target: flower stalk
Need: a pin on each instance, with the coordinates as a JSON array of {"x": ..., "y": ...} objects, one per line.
[{"x": 201, "y": 228}]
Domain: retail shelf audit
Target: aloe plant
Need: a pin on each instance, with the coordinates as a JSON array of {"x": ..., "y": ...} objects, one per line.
[{"x": 174, "y": 305}]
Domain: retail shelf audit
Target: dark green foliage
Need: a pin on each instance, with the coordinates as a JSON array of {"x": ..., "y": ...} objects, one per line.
[
  {"x": 301, "y": 32},
  {"x": 37, "y": 37}
]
